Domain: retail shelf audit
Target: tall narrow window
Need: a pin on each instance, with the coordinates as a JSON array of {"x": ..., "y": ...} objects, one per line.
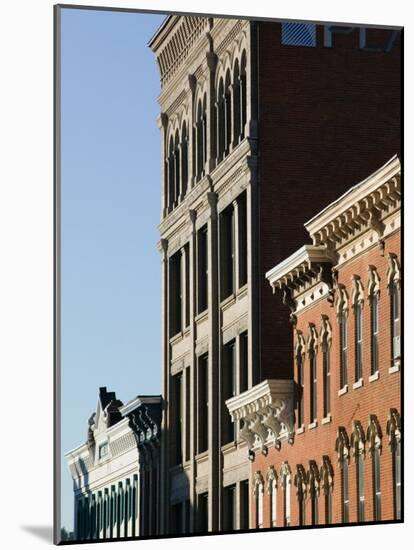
[
  {"x": 244, "y": 504},
  {"x": 326, "y": 479},
  {"x": 358, "y": 342},
  {"x": 272, "y": 490},
  {"x": 374, "y": 333},
  {"x": 397, "y": 479},
  {"x": 343, "y": 343},
  {"x": 236, "y": 103},
  {"x": 313, "y": 480},
  {"x": 229, "y": 510},
  {"x": 258, "y": 493},
  {"x": 202, "y": 513},
  {"x": 376, "y": 479},
  {"x": 200, "y": 132},
  {"x": 202, "y": 269},
  {"x": 228, "y": 378},
  {"x": 187, "y": 414},
  {"x": 220, "y": 109},
  {"x": 184, "y": 160},
  {"x": 243, "y": 94},
  {"x": 227, "y": 256},
  {"x": 244, "y": 362},
  {"x": 242, "y": 209},
  {"x": 187, "y": 284},
  {"x": 345, "y": 490},
  {"x": 177, "y": 169},
  {"x": 300, "y": 350},
  {"x": 175, "y": 293},
  {"x": 360, "y": 487},
  {"x": 326, "y": 339},
  {"x": 395, "y": 321},
  {"x": 300, "y": 482},
  {"x": 178, "y": 418},
  {"x": 203, "y": 403},
  {"x": 171, "y": 174},
  {"x": 312, "y": 347},
  {"x": 228, "y": 110},
  {"x": 286, "y": 495}
]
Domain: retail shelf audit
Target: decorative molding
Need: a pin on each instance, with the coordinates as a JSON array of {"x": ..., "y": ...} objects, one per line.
[
  {"x": 313, "y": 478},
  {"x": 342, "y": 302},
  {"x": 394, "y": 429},
  {"x": 373, "y": 285},
  {"x": 357, "y": 440},
  {"x": 325, "y": 333},
  {"x": 374, "y": 434},
  {"x": 357, "y": 294},
  {"x": 342, "y": 445},
  {"x": 300, "y": 481},
  {"x": 326, "y": 475},
  {"x": 393, "y": 271}
]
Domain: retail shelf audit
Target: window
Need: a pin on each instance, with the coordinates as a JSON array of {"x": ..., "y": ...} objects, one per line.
[
  {"x": 312, "y": 346},
  {"x": 342, "y": 314},
  {"x": 374, "y": 333},
  {"x": 242, "y": 211},
  {"x": 374, "y": 437},
  {"x": 243, "y": 94},
  {"x": 272, "y": 489},
  {"x": 202, "y": 403},
  {"x": 345, "y": 491},
  {"x": 258, "y": 493},
  {"x": 286, "y": 499},
  {"x": 230, "y": 509},
  {"x": 313, "y": 480},
  {"x": 187, "y": 414},
  {"x": 358, "y": 446},
  {"x": 227, "y": 113},
  {"x": 201, "y": 138},
  {"x": 244, "y": 362},
  {"x": 220, "y": 117},
  {"x": 228, "y": 377},
  {"x": 326, "y": 340},
  {"x": 184, "y": 160},
  {"x": 299, "y": 34},
  {"x": 394, "y": 439},
  {"x": 244, "y": 504},
  {"x": 326, "y": 479},
  {"x": 342, "y": 447},
  {"x": 227, "y": 241},
  {"x": 393, "y": 277},
  {"x": 175, "y": 293},
  {"x": 300, "y": 482},
  {"x": 358, "y": 342},
  {"x": 236, "y": 103},
  {"x": 186, "y": 251},
  {"x": 202, "y": 513},
  {"x": 103, "y": 450},
  {"x": 300, "y": 350},
  {"x": 202, "y": 290},
  {"x": 178, "y": 382}
]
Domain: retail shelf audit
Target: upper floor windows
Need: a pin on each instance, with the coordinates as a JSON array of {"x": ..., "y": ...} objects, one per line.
[
  {"x": 258, "y": 493},
  {"x": 394, "y": 438},
  {"x": 272, "y": 490},
  {"x": 342, "y": 447},
  {"x": 285, "y": 481},
  {"x": 200, "y": 138},
  {"x": 326, "y": 341},
  {"x": 300, "y": 483},
  {"x": 374, "y": 437},
  {"x": 299, "y": 34},
  {"x": 373, "y": 294},
  {"x": 394, "y": 279},
  {"x": 326, "y": 480},
  {"x": 300, "y": 353},
  {"x": 358, "y": 447},
  {"x": 312, "y": 350},
  {"x": 342, "y": 312},
  {"x": 357, "y": 303},
  {"x": 176, "y": 167}
]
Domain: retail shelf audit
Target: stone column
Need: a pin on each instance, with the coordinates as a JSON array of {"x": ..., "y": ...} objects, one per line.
[
  {"x": 210, "y": 107},
  {"x": 165, "y": 422},
  {"x": 213, "y": 370}
]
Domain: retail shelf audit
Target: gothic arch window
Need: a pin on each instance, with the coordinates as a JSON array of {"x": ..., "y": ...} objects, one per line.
[
  {"x": 285, "y": 483},
  {"x": 312, "y": 346},
  {"x": 357, "y": 305},
  {"x": 243, "y": 92},
  {"x": 358, "y": 450},
  {"x": 227, "y": 112},
  {"x": 300, "y": 484},
  {"x": 200, "y": 134},
  {"x": 394, "y": 441},
  {"x": 342, "y": 448},
  {"x": 326, "y": 343},
  {"x": 272, "y": 491},
  {"x": 342, "y": 315},
  {"x": 171, "y": 173},
  {"x": 177, "y": 167},
  {"x": 236, "y": 103},
  {"x": 184, "y": 159},
  {"x": 394, "y": 283},
  {"x": 326, "y": 480},
  {"x": 374, "y": 438},
  {"x": 258, "y": 491},
  {"x": 313, "y": 481},
  {"x": 373, "y": 289},
  {"x": 300, "y": 349},
  {"x": 220, "y": 111}
]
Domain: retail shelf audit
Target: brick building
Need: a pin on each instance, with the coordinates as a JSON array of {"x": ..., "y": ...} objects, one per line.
[
  {"x": 327, "y": 448},
  {"x": 262, "y": 125}
]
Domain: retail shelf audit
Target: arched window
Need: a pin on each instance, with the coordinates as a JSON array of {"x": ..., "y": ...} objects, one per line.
[
  {"x": 258, "y": 490},
  {"x": 171, "y": 174},
  {"x": 227, "y": 113},
  {"x": 299, "y": 354},
  {"x": 243, "y": 98},
  {"x": 220, "y": 110},
  {"x": 373, "y": 294},
  {"x": 312, "y": 352},
  {"x": 394, "y": 440},
  {"x": 342, "y": 447},
  {"x": 374, "y": 437},
  {"x": 342, "y": 315},
  {"x": 358, "y": 448},
  {"x": 236, "y": 103},
  {"x": 326, "y": 480},
  {"x": 326, "y": 342},
  {"x": 199, "y": 138},
  {"x": 285, "y": 482},
  {"x": 184, "y": 160},
  {"x": 272, "y": 491},
  {"x": 176, "y": 168},
  {"x": 300, "y": 484},
  {"x": 313, "y": 485},
  {"x": 394, "y": 281},
  {"x": 357, "y": 304}
]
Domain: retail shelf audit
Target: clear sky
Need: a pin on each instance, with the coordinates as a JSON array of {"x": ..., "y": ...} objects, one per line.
[{"x": 111, "y": 269}]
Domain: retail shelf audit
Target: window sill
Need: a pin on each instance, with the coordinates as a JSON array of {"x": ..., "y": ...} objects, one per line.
[
  {"x": 228, "y": 301},
  {"x": 201, "y": 316},
  {"x": 394, "y": 368},
  {"x": 343, "y": 390},
  {"x": 242, "y": 290},
  {"x": 327, "y": 419},
  {"x": 227, "y": 447},
  {"x": 300, "y": 430},
  {"x": 358, "y": 384},
  {"x": 176, "y": 338},
  {"x": 374, "y": 376},
  {"x": 313, "y": 425}
]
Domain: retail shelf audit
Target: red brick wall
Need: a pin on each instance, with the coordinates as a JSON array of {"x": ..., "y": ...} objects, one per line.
[
  {"x": 376, "y": 397},
  {"x": 328, "y": 118}
]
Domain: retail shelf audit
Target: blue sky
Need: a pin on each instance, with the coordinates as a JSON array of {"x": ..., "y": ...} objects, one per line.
[{"x": 111, "y": 287}]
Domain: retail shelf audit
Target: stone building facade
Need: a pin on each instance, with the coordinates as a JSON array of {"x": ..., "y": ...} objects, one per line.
[
  {"x": 262, "y": 124},
  {"x": 116, "y": 471},
  {"x": 327, "y": 448}
]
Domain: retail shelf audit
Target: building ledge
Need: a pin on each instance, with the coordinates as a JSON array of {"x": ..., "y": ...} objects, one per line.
[
  {"x": 300, "y": 430},
  {"x": 327, "y": 419},
  {"x": 374, "y": 376},
  {"x": 313, "y": 425},
  {"x": 358, "y": 384},
  {"x": 343, "y": 390},
  {"x": 394, "y": 368}
]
